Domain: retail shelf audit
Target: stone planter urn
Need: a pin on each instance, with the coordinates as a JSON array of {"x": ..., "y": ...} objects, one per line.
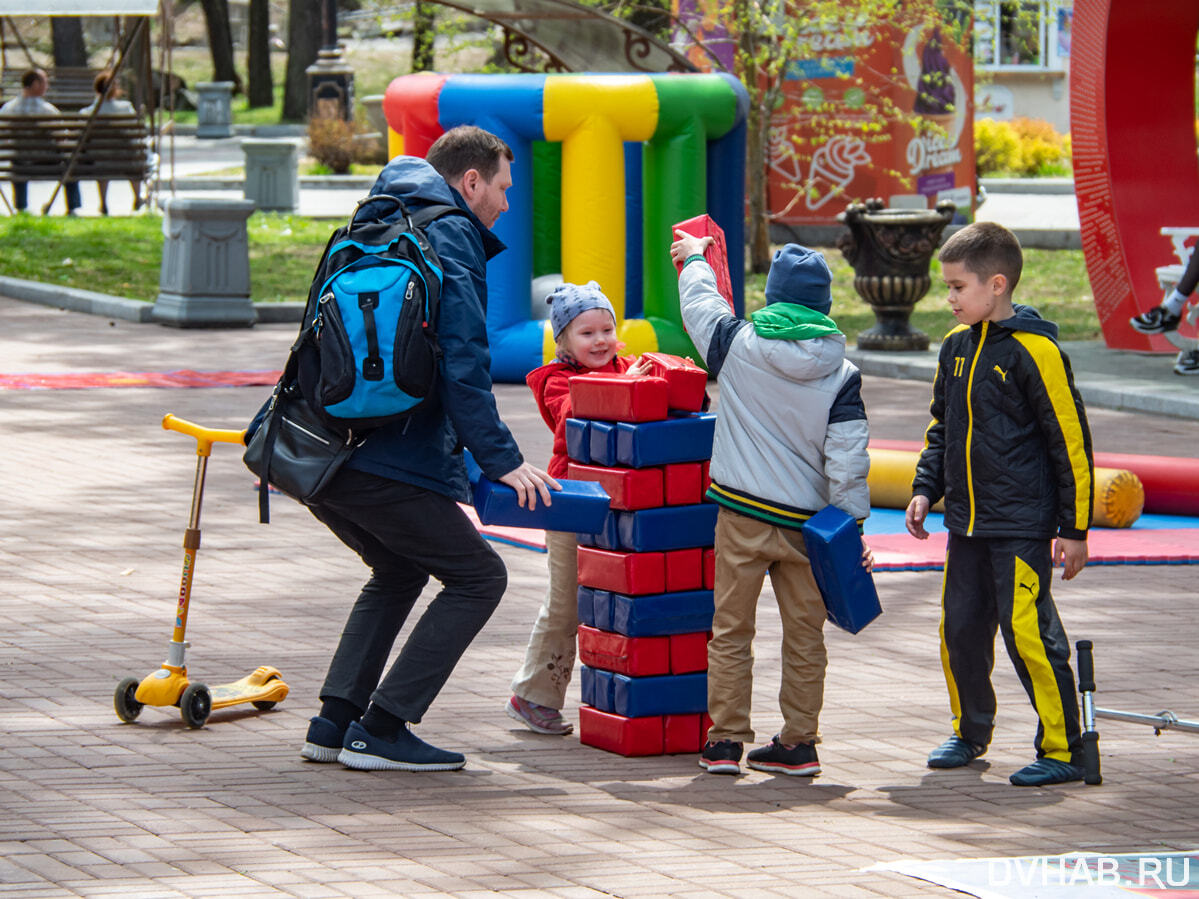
[{"x": 890, "y": 251}]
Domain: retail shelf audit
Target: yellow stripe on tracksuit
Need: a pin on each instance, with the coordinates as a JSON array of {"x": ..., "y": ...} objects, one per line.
[
  {"x": 982, "y": 339},
  {"x": 1026, "y": 587},
  {"x": 1048, "y": 359},
  {"x": 955, "y": 704}
]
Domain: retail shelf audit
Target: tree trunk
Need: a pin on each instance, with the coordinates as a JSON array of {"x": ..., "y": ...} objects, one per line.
[
  {"x": 422, "y": 37},
  {"x": 220, "y": 42},
  {"x": 66, "y": 33},
  {"x": 261, "y": 90},
  {"x": 135, "y": 71},
  {"x": 757, "y": 131},
  {"x": 303, "y": 43}
]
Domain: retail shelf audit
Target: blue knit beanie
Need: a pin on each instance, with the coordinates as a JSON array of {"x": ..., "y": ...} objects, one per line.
[
  {"x": 569, "y": 301},
  {"x": 799, "y": 275}
]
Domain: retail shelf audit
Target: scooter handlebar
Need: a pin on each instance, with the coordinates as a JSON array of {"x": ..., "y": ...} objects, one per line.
[{"x": 205, "y": 437}]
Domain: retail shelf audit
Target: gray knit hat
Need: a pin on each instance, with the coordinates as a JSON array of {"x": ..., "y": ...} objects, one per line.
[{"x": 568, "y": 301}]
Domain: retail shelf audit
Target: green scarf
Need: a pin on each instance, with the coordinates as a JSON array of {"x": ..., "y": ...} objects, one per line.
[{"x": 791, "y": 321}]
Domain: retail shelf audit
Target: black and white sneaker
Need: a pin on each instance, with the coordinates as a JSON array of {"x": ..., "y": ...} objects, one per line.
[
  {"x": 1187, "y": 363},
  {"x": 1157, "y": 320},
  {"x": 778, "y": 758}
]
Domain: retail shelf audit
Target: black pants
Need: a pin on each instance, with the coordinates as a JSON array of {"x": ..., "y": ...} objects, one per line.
[
  {"x": 406, "y": 534},
  {"x": 1004, "y": 583}
]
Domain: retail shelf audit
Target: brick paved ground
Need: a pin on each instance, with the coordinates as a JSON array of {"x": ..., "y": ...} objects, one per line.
[{"x": 95, "y": 499}]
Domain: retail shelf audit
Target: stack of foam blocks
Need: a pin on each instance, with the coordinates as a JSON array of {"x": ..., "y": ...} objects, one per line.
[{"x": 645, "y": 579}]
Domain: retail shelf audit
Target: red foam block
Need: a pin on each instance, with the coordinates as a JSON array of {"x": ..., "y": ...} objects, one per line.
[
  {"x": 628, "y": 488},
  {"x": 705, "y": 476},
  {"x": 616, "y": 733},
  {"x": 709, "y": 569},
  {"x": 686, "y": 382},
  {"x": 612, "y": 397},
  {"x": 688, "y": 652},
  {"x": 684, "y": 733},
  {"x": 635, "y": 656},
  {"x": 684, "y": 569},
  {"x": 633, "y": 574},
  {"x": 716, "y": 255},
  {"x": 682, "y": 484}
]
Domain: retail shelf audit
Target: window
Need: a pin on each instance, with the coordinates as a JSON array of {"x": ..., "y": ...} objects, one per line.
[{"x": 1023, "y": 34}]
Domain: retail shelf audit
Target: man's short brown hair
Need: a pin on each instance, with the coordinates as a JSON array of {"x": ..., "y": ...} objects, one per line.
[
  {"x": 467, "y": 147},
  {"x": 32, "y": 77},
  {"x": 986, "y": 249}
]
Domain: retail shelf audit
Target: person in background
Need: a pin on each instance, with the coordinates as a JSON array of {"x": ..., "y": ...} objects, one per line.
[
  {"x": 110, "y": 103},
  {"x": 33, "y": 102}
]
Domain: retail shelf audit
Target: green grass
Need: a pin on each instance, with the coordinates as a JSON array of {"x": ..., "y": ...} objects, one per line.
[
  {"x": 1054, "y": 283},
  {"x": 122, "y": 257}
]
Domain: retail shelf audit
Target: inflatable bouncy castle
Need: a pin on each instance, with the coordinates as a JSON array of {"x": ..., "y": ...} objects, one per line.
[{"x": 605, "y": 165}]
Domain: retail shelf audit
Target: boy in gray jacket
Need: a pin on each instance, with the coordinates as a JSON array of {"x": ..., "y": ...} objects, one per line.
[{"x": 790, "y": 439}]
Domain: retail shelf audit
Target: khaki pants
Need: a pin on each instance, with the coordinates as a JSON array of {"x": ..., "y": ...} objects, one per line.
[
  {"x": 746, "y": 550},
  {"x": 550, "y": 656}
]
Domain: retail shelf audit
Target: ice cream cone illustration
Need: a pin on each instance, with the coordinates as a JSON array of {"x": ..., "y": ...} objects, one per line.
[{"x": 833, "y": 167}]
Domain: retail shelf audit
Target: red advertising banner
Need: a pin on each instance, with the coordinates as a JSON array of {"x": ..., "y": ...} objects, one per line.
[{"x": 883, "y": 111}]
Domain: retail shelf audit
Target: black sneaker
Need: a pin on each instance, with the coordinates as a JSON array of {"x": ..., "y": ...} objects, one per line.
[
  {"x": 780, "y": 759},
  {"x": 407, "y": 752},
  {"x": 323, "y": 742},
  {"x": 1045, "y": 771},
  {"x": 1157, "y": 320},
  {"x": 723, "y": 757},
  {"x": 954, "y": 753},
  {"x": 1187, "y": 363}
]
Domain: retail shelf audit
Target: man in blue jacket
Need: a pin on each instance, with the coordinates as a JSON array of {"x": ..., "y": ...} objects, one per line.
[{"x": 395, "y": 501}]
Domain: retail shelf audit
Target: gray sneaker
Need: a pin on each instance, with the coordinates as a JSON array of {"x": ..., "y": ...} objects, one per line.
[
  {"x": 1187, "y": 363},
  {"x": 1157, "y": 320}
]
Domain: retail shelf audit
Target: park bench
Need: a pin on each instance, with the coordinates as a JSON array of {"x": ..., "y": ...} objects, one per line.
[
  {"x": 42, "y": 148},
  {"x": 70, "y": 89}
]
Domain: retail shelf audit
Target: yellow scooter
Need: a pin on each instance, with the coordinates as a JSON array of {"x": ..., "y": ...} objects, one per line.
[{"x": 169, "y": 686}]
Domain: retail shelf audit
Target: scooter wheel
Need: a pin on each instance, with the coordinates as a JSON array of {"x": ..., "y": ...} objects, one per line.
[
  {"x": 195, "y": 704},
  {"x": 264, "y": 705},
  {"x": 127, "y": 707}
]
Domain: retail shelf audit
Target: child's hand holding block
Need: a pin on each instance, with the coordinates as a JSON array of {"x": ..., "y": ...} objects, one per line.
[
  {"x": 716, "y": 255},
  {"x": 686, "y": 381}
]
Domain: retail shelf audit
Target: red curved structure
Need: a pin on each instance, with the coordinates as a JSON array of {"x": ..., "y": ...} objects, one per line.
[{"x": 1132, "y": 120}]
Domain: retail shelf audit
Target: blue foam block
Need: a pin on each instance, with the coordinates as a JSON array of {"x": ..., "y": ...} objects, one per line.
[
  {"x": 595, "y": 607},
  {"x": 607, "y": 537},
  {"x": 835, "y": 551},
  {"x": 580, "y": 506},
  {"x": 667, "y": 528},
  {"x": 680, "y": 438},
  {"x": 578, "y": 440},
  {"x": 664, "y": 694},
  {"x": 603, "y": 443},
  {"x": 660, "y": 614},
  {"x": 597, "y": 688}
]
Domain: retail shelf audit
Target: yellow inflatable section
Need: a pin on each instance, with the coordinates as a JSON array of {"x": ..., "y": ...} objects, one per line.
[{"x": 1119, "y": 494}]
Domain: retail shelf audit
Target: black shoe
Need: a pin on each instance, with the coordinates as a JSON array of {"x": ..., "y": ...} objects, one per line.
[
  {"x": 366, "y": 752},
  {"x": 777, "y": 758},
  {"x": 1157, "y": 320},
  {"x": 723, "y": 757},
  {"x": 954, "y": 753},
  {"x": 323, "y": 741},
  {"x": 1045, "y": 771},
  {"x": 1187, "y": 363}
]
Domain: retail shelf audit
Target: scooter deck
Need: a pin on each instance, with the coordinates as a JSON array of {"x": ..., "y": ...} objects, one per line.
[{"x": 264, "y": 684}]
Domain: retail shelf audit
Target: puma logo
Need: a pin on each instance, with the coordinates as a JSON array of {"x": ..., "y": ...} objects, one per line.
[
  {"x": 1031, "y": 588},
  {"x": 1002, "y": 374}
]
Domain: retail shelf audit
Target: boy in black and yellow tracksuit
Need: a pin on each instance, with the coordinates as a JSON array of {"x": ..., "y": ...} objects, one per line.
[{"x": 1010, "y": 451}]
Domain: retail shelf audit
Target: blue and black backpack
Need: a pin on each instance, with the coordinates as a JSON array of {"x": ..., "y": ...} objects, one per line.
[{"x": 368, "y": 352}]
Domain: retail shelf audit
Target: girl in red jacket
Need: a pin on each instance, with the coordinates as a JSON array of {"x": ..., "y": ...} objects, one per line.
[{"x": 584, "y": 325}]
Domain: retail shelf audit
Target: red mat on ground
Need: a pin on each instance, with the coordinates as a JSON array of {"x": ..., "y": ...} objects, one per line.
[{"x": 181, "y": 378}]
